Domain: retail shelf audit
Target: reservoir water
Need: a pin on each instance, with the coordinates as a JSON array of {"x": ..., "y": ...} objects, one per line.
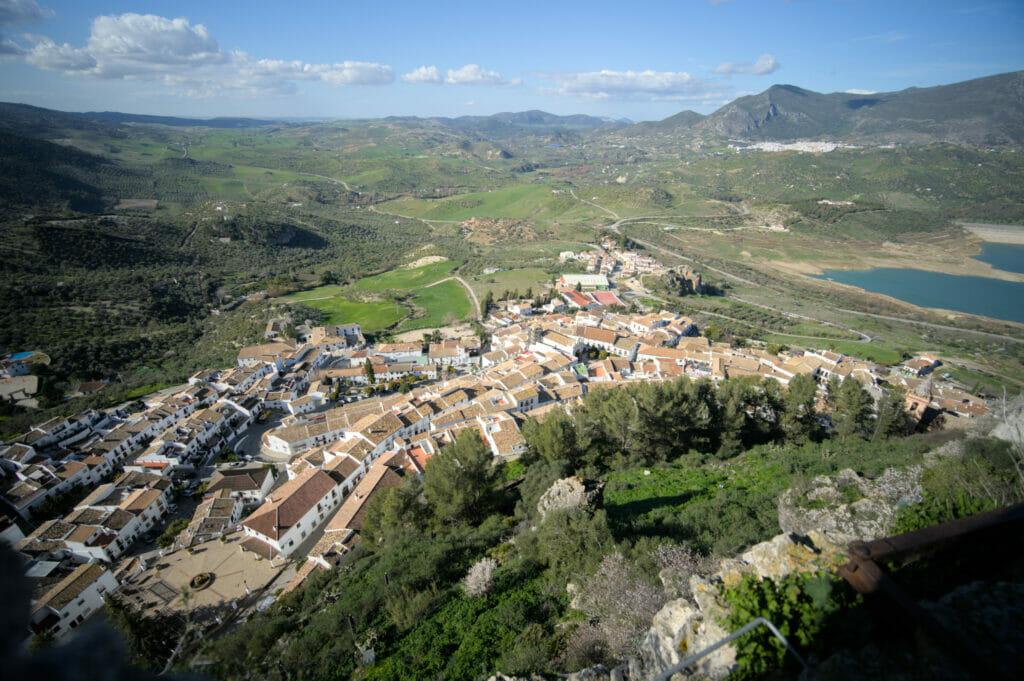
[
  {"x": 1006, "y": 257},
  {"x": 977, "y": 295}
]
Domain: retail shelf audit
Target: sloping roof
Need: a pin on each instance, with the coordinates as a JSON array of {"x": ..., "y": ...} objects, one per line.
[
  {"x": 69, "y": 588},
  {"x": 238, "y": 480},
  {"x": 353, "y": 510},
  {"x": 289, "y": 503},
  {"x": 140, "y": 500}
]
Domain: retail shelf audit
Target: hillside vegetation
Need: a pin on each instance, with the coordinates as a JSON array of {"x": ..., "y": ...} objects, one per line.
[{"x": 461, "y": 576}]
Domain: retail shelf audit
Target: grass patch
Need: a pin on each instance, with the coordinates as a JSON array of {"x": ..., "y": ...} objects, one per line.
[
  {"x": 372, "y": 316},
  {"x": 225, "y": 189},
  {"x": 872, "y": 352},
  {"x": 534, "y": 202},
  {"x": 407, "y": 279},
  {"x": 723, "y": 508},
  {"x": 442, "y": 303},
  {"x": 511, "y": 280},
  {"x": 318, "y": 292}
]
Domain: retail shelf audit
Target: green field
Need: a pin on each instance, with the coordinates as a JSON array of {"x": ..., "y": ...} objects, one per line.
[
  {"x": 318, "y": 292},
  {"x": 872, "y": 352},
  {"x": 534, "y": 202},
  {"x": 510, "y": 280},
  {"x": 439, "y": 303},
  {"x": 372, "y": 316},
  {"x": 407, "y": 279},
  {"x": 442, "y": 303}
]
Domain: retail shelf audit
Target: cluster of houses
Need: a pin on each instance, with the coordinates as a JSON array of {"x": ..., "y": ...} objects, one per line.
[
  {"x": 341, "y": 453},
  {"x": 610, "y": 259}
]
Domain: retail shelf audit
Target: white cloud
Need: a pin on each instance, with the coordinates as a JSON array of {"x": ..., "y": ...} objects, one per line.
[
  {"x": 22, "y": 12},
  {"x": 424, "y": 74},
  {"x": 473, "y": 74},
  {"x": 765, "y": 64},
  {"x": 46, "y": 54},
  {"x": 651, "y": 85},
  {"x": 154, "y": 48},
  {"x": 13, "y": 12}
]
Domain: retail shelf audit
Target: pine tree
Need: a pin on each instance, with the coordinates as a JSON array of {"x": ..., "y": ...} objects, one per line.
[
  {"x": 457, "y": 480},
  {"x": 853, "y": 409},
  {"x": 371, "y": 377}
]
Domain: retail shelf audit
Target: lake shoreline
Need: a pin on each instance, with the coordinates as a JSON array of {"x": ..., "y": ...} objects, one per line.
[{"x": 993, "y": 298}]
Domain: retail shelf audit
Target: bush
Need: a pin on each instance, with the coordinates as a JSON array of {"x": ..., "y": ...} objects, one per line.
[
  {"x": 621, "y": 603},
  {"x": 172, "y": 531},
  {"x": 478, "y": 580},
  {"x": 799, "y": 605}
]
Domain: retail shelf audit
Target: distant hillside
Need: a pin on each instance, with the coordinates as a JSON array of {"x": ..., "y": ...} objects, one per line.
[
  {"x": 981, "y": 113},
  {"x": 508, "y": 124},
  {"x": 671, "y": 125},
  {"x": 35, "y": 173},
  {"x": 117, "y": 117},
  {"x": 34, "y": 121}
]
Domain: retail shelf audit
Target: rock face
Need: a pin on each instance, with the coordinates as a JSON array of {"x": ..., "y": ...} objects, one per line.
[
  {"x": 688, "y": 625},
  {"x": 570, "y": 493},
  {"x": 848, "y": 505}
]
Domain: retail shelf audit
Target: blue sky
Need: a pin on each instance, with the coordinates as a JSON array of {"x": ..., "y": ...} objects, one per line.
[{"x": 339, "y": 59}]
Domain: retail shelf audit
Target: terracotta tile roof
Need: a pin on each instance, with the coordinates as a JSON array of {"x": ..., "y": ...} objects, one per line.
[
  {"x": 238, "y": 480},
  {"x": 82, "y": 533},
  {"x": 259, "y": 547},
  {"x": 344, "y": 466},
  {"x": 69, "y": 588},
  {"x": 140, "y": 500},
  {"x": 353, "y": 510},
  {"x": 287, "y": 505}
]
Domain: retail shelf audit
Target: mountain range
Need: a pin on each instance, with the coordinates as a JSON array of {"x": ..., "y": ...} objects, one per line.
[{"x": 984, "y": 112}]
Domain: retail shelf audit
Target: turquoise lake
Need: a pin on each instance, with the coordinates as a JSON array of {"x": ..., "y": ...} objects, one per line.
[
  {"x": 977, "y": 295},
  {"x": 1006, "y": 257}
]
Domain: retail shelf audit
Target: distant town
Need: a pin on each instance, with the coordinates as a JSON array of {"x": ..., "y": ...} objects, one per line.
[{"x": 221, "y": 495}]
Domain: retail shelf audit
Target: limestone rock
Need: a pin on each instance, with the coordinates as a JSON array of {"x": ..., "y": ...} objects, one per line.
[
  {"x": 596, "y": 673},
  {"x": 570, "y": 492},
  {"x": 849, "y": 505},
  {"x": 660, "y": 648}
]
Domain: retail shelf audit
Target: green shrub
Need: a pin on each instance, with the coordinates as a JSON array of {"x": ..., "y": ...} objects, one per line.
[{"x": 799, "y": 605}]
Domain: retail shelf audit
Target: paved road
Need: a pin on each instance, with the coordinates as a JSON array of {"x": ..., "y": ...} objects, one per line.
[{"x": 249, "y": 444}]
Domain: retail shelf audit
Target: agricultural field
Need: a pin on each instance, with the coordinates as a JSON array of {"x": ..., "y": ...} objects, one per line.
[
  {"x": 523, "y": 202},
  {"x": 428, "y": 304},
  {"x": 442, "y": 303},
  {"x": 407, "y": 279},
  {"x": 510, "y": 280},
  {"x": 372, "y": 316}
]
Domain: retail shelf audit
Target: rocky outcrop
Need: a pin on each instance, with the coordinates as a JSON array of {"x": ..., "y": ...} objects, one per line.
[
  {"x": 571, "y": 492},
  {"x": 688, "y": 625},
  {"x": 848, "y": 505}
]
